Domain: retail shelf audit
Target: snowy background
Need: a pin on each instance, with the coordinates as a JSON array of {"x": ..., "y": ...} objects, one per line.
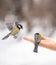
[
  {"x": 15, "y": 52},
  {"x": 35, "y": 16}
]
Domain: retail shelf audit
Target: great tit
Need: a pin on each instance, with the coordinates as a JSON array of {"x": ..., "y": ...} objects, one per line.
[
  {"x": 37, "y": 38},
  {"x": 14, "y": 30}
]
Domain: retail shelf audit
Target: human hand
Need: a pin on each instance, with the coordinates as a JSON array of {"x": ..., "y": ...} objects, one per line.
[{"x": 45, "y": 42}]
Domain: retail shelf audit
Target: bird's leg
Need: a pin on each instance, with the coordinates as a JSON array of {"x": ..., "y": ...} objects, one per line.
[{"x": 15, "y": 36}]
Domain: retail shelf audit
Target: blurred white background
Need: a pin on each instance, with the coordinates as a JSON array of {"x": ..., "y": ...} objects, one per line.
[
  {"x": 16, "y": 52},
  {"x": 35, "y": 16}
]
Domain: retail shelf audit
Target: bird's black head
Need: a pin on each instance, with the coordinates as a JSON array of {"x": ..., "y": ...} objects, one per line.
[
  {"x": 36, "y": 33},
  {"x": 18, "y": 25}
]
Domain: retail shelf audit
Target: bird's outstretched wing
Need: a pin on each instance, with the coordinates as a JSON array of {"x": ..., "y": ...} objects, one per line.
[
  {"x": 9, "y": 26},
  {"x": 16, "y": 23},
  {"x": 6, "y": 36}
]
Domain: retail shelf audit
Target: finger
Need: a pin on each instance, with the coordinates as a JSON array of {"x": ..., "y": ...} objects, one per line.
[
  {"x": 28, "y": 39},
  {"x": 44, "y": 38}
]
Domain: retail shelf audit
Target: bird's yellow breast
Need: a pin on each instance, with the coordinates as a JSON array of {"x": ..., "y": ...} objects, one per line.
[
  {"x": 15, "y": 31},
  {"x": 38, "y": 36}
]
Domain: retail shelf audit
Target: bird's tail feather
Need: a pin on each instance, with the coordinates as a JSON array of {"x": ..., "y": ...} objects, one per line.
[
  {"x": 6, "y": 36},
  {"x": 36, "y": 48}
]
